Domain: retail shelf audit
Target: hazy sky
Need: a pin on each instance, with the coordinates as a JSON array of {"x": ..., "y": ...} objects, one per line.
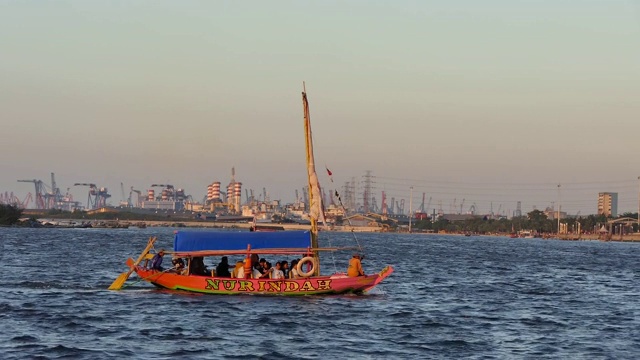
[{"x": 491, "y": 101}]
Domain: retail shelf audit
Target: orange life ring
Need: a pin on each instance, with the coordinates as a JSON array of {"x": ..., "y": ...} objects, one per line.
[{"x": 303, "y": 261}]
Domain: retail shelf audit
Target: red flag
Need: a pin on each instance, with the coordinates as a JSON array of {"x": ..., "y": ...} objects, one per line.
[{"x": 329, "y": 172}]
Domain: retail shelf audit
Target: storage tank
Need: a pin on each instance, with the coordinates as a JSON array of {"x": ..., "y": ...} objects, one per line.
[
  {"x": 165, "y": 194},
  {"x": 151, "y": 194}
]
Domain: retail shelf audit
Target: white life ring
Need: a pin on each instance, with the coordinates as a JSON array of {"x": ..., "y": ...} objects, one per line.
[{"x": 303, "y": 261}]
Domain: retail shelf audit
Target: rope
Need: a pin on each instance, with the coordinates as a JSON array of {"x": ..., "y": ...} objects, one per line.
[{"x": 349, "y": 222}]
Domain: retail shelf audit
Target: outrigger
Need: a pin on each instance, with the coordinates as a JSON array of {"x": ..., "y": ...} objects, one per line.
[{"x": 195, "y": 244}]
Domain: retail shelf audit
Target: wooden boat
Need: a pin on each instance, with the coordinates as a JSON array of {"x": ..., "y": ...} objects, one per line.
[{"x": 196, "y": 244}]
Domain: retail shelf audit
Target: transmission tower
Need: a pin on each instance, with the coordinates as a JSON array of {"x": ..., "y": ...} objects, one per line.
[{"x": 367, "y": 194}]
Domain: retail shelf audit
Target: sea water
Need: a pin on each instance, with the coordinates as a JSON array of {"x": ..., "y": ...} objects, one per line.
[{"x": 450, "y": 297}]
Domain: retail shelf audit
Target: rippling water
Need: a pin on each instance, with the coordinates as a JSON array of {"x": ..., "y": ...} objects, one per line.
[{"x": 450, "y": 297}]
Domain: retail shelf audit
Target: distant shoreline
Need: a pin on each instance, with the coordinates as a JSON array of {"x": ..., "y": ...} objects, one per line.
[{"x": 69, "y": 223}]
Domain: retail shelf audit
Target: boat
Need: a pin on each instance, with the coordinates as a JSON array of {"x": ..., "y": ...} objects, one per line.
[{"x": 250, "y": 245}]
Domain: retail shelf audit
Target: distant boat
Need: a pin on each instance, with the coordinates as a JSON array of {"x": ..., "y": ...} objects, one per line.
[
  {"x": 526, "y": 234},
  {"x": 192, "y": 245}
]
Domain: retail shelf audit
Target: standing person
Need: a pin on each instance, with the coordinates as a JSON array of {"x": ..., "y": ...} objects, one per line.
[
  {"x": 355, "y": 266},
  {"x": 156, "y": 261},
  {"x": 222, "y": 270}
]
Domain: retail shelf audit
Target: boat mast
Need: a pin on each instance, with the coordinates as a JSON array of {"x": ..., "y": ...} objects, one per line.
[{"x": 315, "y": 198}]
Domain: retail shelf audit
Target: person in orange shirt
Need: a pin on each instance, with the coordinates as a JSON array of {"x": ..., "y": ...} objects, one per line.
[{"x": 355, "y": 266}]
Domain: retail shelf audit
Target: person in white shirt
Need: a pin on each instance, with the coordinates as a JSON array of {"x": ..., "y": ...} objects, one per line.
[
  {"x": 256, "y": 274},
  {"x": 276, "y": 272}
]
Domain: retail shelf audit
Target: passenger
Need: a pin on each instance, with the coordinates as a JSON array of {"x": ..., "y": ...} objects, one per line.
[
  {"x": 261, "y": 265},
  {"x": 197, "y": 267},
  {"x": 266, "y": 274},
  {"x": 355, "y": 266},
  {"x": 276, "y": 273},
  {"x": 293, "y": 273},
  {"x": 240, "y": 272},
  {"x": 156, "y": 261},
  {"x": 256, "y": 274},
  {"x": 284, "y": 266},
  {"x": 255, "y": 259},
  {"x": 178, "y": 265},
  {"x": 222, "y": 270},
  {"x": 239, "y": 267}
]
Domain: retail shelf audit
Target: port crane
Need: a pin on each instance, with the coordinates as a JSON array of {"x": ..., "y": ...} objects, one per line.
[
  {"x": 126, "y": 202},
  {"x": 138, "y": 193},
  {"x": 54, "y": 197},
  {"x": 428, "y": 203},
  {"x": 39, "y": 194},
  {"x": 97, "y": 197}
]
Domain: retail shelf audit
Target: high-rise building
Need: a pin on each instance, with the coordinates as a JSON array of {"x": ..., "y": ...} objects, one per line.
[{"x": 608, "y": 204}]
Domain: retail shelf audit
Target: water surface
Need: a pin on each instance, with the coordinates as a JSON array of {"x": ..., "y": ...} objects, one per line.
[{"x": 449, "y": 297}]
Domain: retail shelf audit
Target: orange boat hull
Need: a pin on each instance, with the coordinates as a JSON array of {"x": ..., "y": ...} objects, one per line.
[{"x": 321, "y": 285}]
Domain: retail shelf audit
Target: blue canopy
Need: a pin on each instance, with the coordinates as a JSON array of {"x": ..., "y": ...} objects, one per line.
[{"x": 186, "y": 241}]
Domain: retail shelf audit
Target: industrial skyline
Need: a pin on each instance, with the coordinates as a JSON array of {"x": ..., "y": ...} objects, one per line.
[
  {"x": 426, "y": 196},
  {"x": 493, "y": 102}
]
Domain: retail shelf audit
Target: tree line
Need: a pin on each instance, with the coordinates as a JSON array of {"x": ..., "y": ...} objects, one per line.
[
  {"x": 9, "y": 214},
  {"x": 535, "y": 220}
]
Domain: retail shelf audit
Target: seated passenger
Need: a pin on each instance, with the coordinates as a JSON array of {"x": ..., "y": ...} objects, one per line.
[
  {"x": 276, "y": 272},
  {"x": 197, "y": 267},
  {"x": 256, "y": 274},
  {"x": 260, "y": 265},
  {"x": 266, "y": 274},
  {"x": 355, "y": 266},
  {"x": 284, "y": 266},
  {"x": 293, "y": 273},
  {"x": 178, "y": 265},
  {"x": 238, "y": 272},
  {"x": 222, "y": 270}
]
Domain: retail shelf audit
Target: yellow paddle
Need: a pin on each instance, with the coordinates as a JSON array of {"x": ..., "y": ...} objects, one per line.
[{"x": 120, "y": 280}]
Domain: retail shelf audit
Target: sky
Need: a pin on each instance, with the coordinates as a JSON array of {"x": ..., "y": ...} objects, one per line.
[{"x": 491, "y": 101}]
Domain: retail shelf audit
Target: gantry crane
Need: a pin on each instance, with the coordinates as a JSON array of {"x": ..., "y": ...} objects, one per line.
[
  {"x": 97, "y": 197},
  {"x": 39, "y": 194},
  {"x": 138, "y": 193}
]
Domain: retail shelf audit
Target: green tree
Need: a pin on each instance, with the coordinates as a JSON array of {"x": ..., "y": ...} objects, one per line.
[
  {"x": 9, "y": 214},
  {"x": 537, "y": 220}
]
